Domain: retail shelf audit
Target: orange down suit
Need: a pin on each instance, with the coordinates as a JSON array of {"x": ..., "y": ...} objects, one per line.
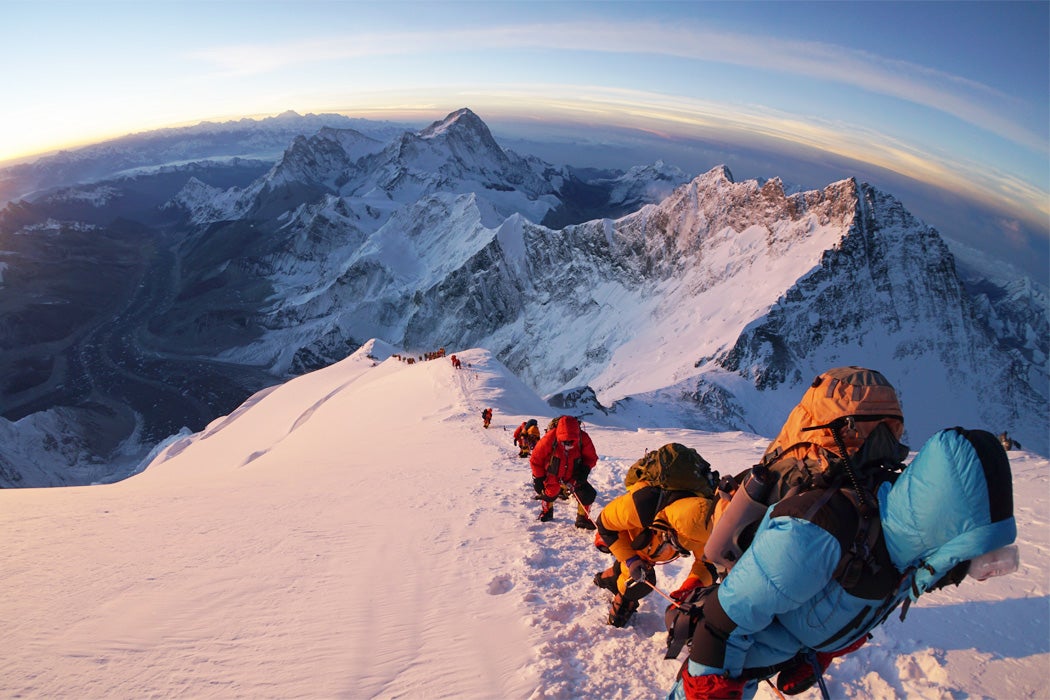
[{"x": 626, "y": 517}]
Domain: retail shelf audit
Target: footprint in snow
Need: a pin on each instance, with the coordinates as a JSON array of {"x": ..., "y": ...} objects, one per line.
[{"x": 500, "y": 585}]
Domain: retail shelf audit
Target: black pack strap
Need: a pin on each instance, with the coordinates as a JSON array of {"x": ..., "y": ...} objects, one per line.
[
  {"x": 888, "y": 605},
  {"x": 857, "y": 559},
  {"x": 762, "y": 672},
  {"x": 861, "y": 552},
  {"x": 850, "y": 626},
  {"x": 554, "y": 465},
  {"x": 648, "y": 501},
  {"x": 682, "y": 620},
  {"x": 819, "y": 503},
  {"x": 843, "y": 421},
  {"x": 779, "y": 452}
]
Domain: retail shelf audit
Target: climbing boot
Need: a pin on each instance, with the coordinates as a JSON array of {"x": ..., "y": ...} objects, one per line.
[
  {"x": 621, "y": 611},
  {"x": 546, "y": 513},
  {"x": 583, "y": 522},
  {"x": 801, "y": 676},
  {"x": 607, "y": 580}
]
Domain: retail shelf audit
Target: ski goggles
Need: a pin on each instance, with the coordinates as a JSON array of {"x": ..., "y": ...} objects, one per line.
[{"x": 671, "y": 547}]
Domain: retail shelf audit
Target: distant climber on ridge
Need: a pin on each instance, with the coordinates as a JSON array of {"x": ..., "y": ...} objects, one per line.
[{"x": 526, "y": 436}]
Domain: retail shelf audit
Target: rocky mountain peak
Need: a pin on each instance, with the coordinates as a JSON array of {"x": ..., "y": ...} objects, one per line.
[
  {"x": 718, "y": 173},
  {"x": 460, "y": 120},
  {"x": 713, "y": 203},
  {"x": 466, "y": 137}
]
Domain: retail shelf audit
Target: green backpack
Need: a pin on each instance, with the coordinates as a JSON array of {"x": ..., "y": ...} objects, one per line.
[{"x": 674, "y": 467}]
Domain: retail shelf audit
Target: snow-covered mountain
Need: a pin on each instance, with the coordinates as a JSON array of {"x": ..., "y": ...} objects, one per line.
[
  {"x": 456, "y": 155},
  {"x": 356, "y": 533},
  {"x": 732, "y": 295},
  {"x": 711, "y": 301},
  {"x": 253, "y": 139}
]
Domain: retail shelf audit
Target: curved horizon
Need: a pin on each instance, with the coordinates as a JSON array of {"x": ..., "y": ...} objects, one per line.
[{"x": 952, "y": 95}]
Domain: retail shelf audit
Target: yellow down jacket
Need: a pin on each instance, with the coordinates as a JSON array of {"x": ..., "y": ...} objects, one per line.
[{"x": 634, "y": 524}]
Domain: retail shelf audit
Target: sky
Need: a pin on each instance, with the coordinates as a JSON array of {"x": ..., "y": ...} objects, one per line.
[
  {"x": 262, "y": 558},
  {"x": 953, "y": 93}
]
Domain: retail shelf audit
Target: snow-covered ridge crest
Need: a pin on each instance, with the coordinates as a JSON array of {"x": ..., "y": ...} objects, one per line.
[{"x": 265, "y": 526}]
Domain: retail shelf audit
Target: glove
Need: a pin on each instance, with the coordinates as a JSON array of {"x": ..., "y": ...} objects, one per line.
[
  {"x": 691, "y": 582},
  {"x": 726, "y": 487},
  {"x": 708, "y": 687},
  {"x": 580, "y": 471},
  {"x": 537, "y": 484},
  {"x": 799, "y": 677},
  {"x": 638, "y": 570}
]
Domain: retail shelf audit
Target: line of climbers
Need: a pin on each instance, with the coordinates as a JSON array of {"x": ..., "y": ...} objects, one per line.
[
  {"x": 409, "y": 359},
  {"x": 797, "y": 559}
]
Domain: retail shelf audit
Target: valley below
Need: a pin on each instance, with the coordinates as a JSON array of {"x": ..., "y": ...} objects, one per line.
[{"x": 83, "y": 339}]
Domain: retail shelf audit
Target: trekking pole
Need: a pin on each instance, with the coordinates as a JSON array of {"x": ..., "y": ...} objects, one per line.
[
  {"x": 775, "y": 689},
  {"x": 582, "y": 507},
  {"x": 818, "y": 671},
  {"x": 671, "y": 600}
]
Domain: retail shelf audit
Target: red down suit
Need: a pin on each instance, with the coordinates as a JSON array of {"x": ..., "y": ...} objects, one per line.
[{"x": 556, "y": 463}]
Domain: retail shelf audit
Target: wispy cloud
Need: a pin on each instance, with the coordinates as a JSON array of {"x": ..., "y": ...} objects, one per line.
[
  {"x": 963, "y": 99},
  {"x": 690, "y": 118}
]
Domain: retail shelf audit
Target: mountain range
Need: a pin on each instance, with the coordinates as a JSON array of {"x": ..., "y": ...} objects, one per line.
[{"x": 139, "y": 305}]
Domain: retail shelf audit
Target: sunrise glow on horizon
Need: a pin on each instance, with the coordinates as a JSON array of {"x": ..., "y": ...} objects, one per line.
[{"x": 955, "y": 93}]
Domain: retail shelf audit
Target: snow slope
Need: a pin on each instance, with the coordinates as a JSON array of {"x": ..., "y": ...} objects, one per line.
[{"x": 355, "y": 533}]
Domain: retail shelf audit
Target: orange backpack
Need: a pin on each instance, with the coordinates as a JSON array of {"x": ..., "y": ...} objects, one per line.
[
  {"x": 846, "y": 431},
  {"x": 838, "y": 412}
]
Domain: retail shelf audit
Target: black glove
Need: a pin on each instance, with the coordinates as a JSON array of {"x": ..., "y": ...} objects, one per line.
[
  {"x": 638, "y": 570},
  {"x": 537, "y": 484},
  {"x": 580, "y": 471},
  {"x": 727, "y": 485}
]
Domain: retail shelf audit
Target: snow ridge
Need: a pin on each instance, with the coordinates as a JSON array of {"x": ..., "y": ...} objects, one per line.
[{"x": 269, "y": 533}]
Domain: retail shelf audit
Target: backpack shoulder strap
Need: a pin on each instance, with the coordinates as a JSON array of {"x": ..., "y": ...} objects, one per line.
[
  {"x": 860, "y": 557},
  {"x": 554, "y": 464},
  {"x": 855, "y": 523},
  {"x": 648, "y": 501}
]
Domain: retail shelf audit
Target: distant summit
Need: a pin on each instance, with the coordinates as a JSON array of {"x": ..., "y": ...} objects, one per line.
[{"x": 461, "y": 119}]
